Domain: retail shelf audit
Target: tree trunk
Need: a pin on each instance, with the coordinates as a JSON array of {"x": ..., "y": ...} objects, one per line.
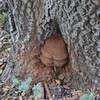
[{"x": 34, "y": 22}]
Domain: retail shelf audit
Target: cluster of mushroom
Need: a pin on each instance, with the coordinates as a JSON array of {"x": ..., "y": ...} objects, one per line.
[{"x": 54, "y": 52}]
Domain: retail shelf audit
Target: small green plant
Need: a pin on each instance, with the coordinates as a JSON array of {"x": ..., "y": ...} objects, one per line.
[
  {"x": 22, "y": 85},
  {"x": 89, "y": 96},
  {"x": 3, "y": 19}
]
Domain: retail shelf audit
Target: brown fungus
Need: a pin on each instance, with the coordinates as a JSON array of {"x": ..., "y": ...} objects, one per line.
[
  {"x": 46, "y": 61},
  {"x": 54, "y": 51}
]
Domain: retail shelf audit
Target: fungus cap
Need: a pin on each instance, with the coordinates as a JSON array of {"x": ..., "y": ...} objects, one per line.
[
  {"x": 46, "y": 52},
  {"x": 54, "y": 48},
  {"x": 46, "y": 61},
  {"x": 59, "y": 63}
]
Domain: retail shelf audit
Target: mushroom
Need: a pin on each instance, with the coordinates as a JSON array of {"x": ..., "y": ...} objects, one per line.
[
  {"x": 46, "y": 61},
  {"x": 54, "y": 51},
  {"x": 59, "y": 62}
]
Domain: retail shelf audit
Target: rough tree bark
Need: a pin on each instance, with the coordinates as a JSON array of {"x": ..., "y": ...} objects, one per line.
[{"x": 78, "y": 21}]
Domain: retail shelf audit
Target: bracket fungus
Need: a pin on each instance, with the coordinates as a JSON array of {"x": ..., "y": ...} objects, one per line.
[{"x": 54, "y": 51}]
